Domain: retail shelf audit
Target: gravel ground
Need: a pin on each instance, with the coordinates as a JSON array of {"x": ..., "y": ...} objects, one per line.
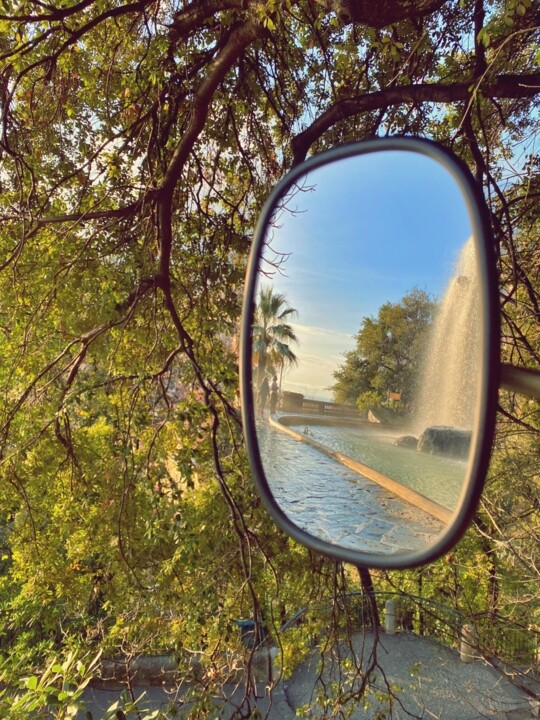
[{"x": 427, "y": 679}]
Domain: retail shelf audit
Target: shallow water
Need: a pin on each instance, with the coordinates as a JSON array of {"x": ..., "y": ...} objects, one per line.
[{"x": 438, "y": 478}]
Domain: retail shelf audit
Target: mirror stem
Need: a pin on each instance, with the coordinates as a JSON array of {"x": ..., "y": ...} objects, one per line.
[
  {"x": 521, "y": 380},
  {"x": 369, "y": 594}
]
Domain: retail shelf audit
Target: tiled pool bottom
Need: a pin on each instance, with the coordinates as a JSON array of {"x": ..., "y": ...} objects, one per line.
[{"x": 338, "y": 505}]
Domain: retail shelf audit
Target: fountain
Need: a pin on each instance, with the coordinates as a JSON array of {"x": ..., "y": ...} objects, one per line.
[{"x": 447, "y": 398}]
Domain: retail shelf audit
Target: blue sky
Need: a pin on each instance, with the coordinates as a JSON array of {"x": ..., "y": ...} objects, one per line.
[{"x": 371, "y": 228}]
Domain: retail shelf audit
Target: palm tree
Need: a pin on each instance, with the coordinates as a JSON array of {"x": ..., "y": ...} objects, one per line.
[{"x": 271, "y": 333}]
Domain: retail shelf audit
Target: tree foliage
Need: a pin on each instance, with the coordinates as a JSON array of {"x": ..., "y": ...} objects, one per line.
[
  {"x": 138, "y": 140},
  {"x": 387, "y": 354},
  {"x": 272, "y": 334}
]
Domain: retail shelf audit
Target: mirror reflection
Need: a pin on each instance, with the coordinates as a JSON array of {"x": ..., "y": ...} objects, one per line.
[{"x": 366, "y": 351}]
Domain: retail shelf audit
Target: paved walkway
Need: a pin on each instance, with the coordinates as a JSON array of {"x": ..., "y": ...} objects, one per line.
[
  {"x": 337, "y": 504},
  {"x": 425, "y": 679},
  {"x": 169, "y": 701}
]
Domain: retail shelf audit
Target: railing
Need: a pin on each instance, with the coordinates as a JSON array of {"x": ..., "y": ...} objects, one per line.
[
  {"x": 497, "y": 637},
  {"x": 297, "y": 403},
  {"x": 415, "y": 614},
  {"x": 507, "y": 640}
]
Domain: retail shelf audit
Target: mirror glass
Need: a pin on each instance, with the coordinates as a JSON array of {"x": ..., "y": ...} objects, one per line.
[{"x": 366, "y": 351}]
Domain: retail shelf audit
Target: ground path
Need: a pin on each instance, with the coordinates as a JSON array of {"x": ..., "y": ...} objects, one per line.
[{"x": 428, "y": 679}]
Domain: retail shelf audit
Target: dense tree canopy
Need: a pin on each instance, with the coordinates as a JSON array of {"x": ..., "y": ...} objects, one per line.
[
  {"x": 137, "y": 142},
  {"x": 387, "y": 354}
]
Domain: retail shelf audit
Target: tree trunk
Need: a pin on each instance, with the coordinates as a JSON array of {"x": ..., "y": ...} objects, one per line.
[{"x": 369, "y": 592}]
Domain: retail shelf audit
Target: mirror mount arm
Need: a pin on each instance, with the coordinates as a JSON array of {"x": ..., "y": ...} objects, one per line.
[
  {"x": 369, "y": 593},
  {"x": 520, "y": 380}
]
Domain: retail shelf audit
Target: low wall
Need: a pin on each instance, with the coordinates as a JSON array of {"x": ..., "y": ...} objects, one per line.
[
  {"x": 297, "y": 403},
  {"x": 327, "y": 421}
]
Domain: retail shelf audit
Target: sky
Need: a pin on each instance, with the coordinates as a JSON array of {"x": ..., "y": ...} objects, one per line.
[{"x": 361, "y": 232}]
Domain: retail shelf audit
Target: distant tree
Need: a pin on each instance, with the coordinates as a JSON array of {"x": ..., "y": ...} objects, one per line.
[
  {"x": 388, "y": 351},
  {"x": 351, "y": 379}
]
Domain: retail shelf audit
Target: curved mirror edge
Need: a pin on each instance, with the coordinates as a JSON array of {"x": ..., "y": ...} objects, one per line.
[{"x": 455, "y": 523}]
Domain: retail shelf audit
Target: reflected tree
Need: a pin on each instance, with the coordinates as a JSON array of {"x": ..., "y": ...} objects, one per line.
[
  {"x": 272, "y": 334},
  {"x": 387, "y": 354}
]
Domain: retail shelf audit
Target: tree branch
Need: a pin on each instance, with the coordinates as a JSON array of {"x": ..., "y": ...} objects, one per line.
[
  {"x": 194, "y": 14},
  {"x": 240, "y": 38},
  {"x": 381, "y": 13},
  {"x": 55, "y": 14},
  {"x": 503, "y": 86}
]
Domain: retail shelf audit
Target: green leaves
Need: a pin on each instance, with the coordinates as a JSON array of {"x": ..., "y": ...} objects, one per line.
[
  {"x": 128, "y": 515},
  {"x": 386, "y": 354},
  {"x": 484, "y": 37},
  {"x": 57, "y": 689}
]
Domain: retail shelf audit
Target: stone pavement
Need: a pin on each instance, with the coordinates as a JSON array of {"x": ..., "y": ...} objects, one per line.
[
  {"x": 426, "y": 680},
  {"x": 337, "y": 504},
  {"x": 98, "y": 701}
]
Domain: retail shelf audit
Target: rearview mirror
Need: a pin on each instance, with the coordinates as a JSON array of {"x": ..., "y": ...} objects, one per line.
[{"x": 370, "y": 352}]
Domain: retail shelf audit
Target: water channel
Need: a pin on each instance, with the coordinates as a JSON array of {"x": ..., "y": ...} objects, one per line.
[
  {"x": 438, "y": 478},
  {"x": 349, "y": 483},
  {"x": 337, "y": 504}
]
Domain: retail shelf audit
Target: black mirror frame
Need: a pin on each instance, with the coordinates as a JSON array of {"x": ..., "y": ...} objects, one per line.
[{"x": 490, "y": 361}]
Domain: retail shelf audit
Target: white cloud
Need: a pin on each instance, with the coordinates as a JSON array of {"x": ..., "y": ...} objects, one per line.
[{"x": 320, "y": 352}]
